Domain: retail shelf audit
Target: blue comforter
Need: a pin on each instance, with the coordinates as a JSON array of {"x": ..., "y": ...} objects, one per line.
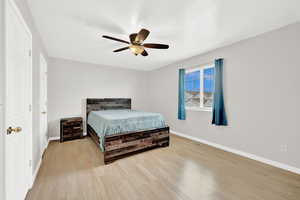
[{"x": 109, "y": 122}]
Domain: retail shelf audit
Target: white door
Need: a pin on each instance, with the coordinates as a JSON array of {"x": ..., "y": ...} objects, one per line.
[
  {"x": 43, "y": 103},
  {"x": 18, "y": 117}
]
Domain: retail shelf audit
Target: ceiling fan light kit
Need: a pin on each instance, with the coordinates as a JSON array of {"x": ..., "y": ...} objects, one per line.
[
  {"x": 136, "y": 49},
  {"x": 136, "y": 44}
]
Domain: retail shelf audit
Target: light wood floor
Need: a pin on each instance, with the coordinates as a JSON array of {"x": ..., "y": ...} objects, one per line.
[{"x": 185, "y": 170}]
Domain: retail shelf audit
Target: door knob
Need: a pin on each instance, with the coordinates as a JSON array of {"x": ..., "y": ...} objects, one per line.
[
  {"x": 44, "y": 112},
  {"x": 10, "y": 130}
]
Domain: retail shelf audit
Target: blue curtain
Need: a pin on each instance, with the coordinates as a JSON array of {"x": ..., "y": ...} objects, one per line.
[
  {"x": 219, "y": 114},
  {"x": 181, "y": 104}
]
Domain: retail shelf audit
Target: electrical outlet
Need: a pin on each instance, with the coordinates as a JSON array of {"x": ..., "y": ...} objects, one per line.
[{"x": 283, "y": 148}]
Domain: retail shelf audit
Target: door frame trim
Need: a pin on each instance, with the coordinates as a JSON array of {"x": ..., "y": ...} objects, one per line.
[
  {"x": 42, "y": 59},
  {"x": 12, "y": 4}
]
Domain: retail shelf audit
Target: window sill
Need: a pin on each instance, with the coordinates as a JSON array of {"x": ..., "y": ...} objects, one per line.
[{"x": 199, "y": 109}]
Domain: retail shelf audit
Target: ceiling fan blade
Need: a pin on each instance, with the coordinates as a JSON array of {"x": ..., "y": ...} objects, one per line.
[
  {"x": 116, "y": 39},
  {"x": 121, "y": 49},
  {"x": 133, "y": 37},
  {"x": 142, "y": 35},
  {"x": 144, "y": 53},
  {"x": 156, "y": 46}
]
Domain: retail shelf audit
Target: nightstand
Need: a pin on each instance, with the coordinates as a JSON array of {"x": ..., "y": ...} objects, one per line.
[{"x": 71, "y": 128}]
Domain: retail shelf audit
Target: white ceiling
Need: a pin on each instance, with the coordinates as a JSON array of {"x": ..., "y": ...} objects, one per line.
[{"x": 72, "y": 29}]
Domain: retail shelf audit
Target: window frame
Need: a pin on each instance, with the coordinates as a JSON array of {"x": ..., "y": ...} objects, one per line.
[{"x": 200, "y": 68}]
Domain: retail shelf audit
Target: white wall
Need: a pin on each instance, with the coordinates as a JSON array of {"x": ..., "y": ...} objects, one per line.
[
  {"x": 70, "y": 83},
  {"x": 262, "y": 95}
]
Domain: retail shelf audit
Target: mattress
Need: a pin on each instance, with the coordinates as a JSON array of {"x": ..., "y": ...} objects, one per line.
[{"x": 109, "y": 122}]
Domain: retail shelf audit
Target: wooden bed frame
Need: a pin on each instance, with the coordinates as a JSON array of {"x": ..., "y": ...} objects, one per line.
[{"x": 122, "y": 145}]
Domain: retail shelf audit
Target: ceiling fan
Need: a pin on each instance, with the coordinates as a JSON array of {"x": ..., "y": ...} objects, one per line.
[{"x": 136, "y": 44}]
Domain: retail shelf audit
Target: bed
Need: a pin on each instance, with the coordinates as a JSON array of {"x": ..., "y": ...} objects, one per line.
[{"x": 120, "y": 131}]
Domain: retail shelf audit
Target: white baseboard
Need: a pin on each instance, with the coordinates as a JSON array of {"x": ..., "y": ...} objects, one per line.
[
  {"x": 58, "y": 137},
  {"x": 53, "y": 138},
  {"x": 46, "y": 145},
  {"x": 36, "y": 171},
  {"x": 241, "y": 153}
]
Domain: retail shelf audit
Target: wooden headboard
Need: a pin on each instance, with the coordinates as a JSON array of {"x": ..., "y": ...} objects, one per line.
[{"x": 107, "y": 104}]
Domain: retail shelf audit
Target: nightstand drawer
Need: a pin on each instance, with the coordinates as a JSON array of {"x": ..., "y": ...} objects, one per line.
[
  {"x": 73, "y": 128},
  {"x": 76, "y": 128},
  {"x": 77, "y": 134}
]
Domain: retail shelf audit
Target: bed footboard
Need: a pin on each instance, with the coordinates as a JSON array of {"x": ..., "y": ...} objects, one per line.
[
  {"x": 123, "y": 145},
  {"x": 120, "y": 146}
]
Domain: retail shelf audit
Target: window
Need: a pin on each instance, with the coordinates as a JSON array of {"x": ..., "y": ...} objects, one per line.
[{"x": 199, "y": 88}]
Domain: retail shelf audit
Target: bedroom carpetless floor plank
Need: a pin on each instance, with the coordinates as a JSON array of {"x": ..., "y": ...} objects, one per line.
[{"x": 186, "y": 170}]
